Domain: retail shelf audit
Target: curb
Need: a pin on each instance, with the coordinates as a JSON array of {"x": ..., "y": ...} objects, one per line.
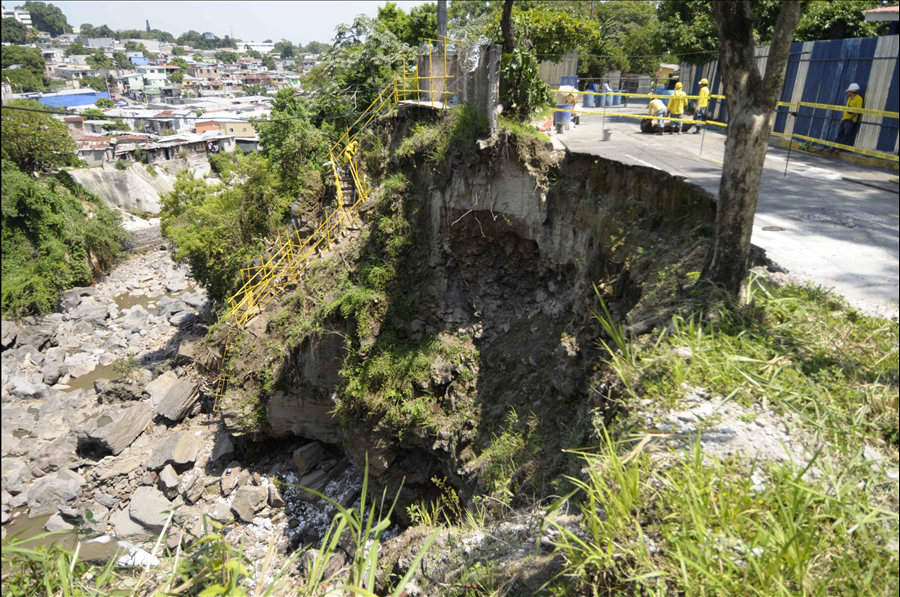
[{"x": 853, "y": 158}]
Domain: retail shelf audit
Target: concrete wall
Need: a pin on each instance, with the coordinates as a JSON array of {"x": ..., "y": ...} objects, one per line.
[
  {"x": 472, "y": 77},
  {"x": 134, "y": 189},
  {"x": 144, "y": 239}
]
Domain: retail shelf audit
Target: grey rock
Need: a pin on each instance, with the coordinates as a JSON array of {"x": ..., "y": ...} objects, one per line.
[
  {"x": 178, "y": 401},
  {"x": 316, "y": 480},
  {"x": 222, "y": 448},
  {"x": 56, "y": 523},
  {"x": 31, "y": 391},
  {"x": 79, "y": 364},
  {"x": 169, "y": 306},
  {"x": 105, "y": 500},
  {"x": 228, "y": 480},
  {"x": 53, "y": 371},
  {"x": 196, "y": 300},
  {"x": 160, "y": 386},
  {"x": 137, "y": 319},
  {"x": 52, "y": 492},
  {"x": 35, "y": 335},
  {"x": 149, "y": 508},
  {"x": 194, "y": 491},
  {"x": 221, "y": 512},
  {"x": 8, "y": 333},
  {"x": 183, "y": 319},
  {"x": 275, "y": 498},
  {"x": 308, "y": 456},
  {"x": 189, "y": 351},
  {"x": 115, "y": 429},
  {"x": 117, "y": 391},
  {"x": 249, "y": 500},
  {"x": 178, "y": 450},
  {"x": 95, "y": 314},
  {"x": 176, "y": 286},
  {"x": 126, "y": 528},
  {"x": 168, "y": 482}
]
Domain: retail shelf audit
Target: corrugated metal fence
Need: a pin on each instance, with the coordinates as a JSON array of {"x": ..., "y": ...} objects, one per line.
[{"x": 819, "y": 72}]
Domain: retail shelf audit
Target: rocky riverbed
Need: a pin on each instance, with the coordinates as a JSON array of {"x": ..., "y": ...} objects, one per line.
[{"x": 105, "y": 411}]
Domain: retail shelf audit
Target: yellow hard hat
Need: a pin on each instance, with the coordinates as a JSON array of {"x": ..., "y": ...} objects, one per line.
[
  {"x": 704, "y": 82},
  {"x": 677, "y": 85}
]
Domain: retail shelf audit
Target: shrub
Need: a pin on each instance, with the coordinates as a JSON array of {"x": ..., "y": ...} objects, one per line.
[{"x": 121, "y": 165}]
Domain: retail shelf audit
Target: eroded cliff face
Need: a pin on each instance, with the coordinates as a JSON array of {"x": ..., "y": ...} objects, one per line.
[{"x": 479, "y": 365}]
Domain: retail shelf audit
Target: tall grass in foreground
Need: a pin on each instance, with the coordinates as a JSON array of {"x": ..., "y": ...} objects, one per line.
[{"x": 699, "y": 527}]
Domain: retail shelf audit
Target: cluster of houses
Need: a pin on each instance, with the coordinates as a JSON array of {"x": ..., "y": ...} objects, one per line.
[
  {"x": 158, "y": 132},
  {"x": 158, "y": 116}
]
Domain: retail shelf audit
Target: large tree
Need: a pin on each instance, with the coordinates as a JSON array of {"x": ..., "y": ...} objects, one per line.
[
  {"x": 752, "y": 99},
  {"x": 49, "y": 18},
  {"x": 30, "y": 139},
  {"x": 13, "y": 31}
]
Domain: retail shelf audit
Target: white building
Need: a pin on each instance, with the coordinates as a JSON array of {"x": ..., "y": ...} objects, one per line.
[
  {"x": 23, "y": 16},
  {"x": 262, "y": 48}
]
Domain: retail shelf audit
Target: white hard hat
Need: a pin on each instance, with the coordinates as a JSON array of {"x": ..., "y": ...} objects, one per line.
[{"x": 853, "y": 87}]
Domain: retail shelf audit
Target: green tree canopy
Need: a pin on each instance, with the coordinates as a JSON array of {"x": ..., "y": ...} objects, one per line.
[
  {"x": 121, "y": 60},
  {"x": 24, "y": 81},
  {"x": 284, "y": 48},
  {"x": 133, "y": 46},
  {"x": 13, "y": 31},
  {"x": 315, "y": 47},
  {"x": 412, "y": 28},
  {"x": 226, "y": 57},
  {"x": 268, "y": 62},
  {"x": 100, "y": 60},
  {"x": 104, "y": 103},
  {"x": 838, "y": 20},
  {"x": 253, "y": 54},
  {"x": 178, "y": 51},
  {"x": 29, "y": 58},
  {"x": 46, "y": 17},
  {"x": 180, "y": 63},
  {"x": 31, "y": 139},
  {"x": 77, "y": 49}
]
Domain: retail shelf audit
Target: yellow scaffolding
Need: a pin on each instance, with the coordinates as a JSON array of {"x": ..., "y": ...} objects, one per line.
[{"x": 283, "y": 265}]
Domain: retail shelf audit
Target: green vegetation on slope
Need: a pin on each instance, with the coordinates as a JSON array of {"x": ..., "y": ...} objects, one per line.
[{"x": 55, "y": 235}]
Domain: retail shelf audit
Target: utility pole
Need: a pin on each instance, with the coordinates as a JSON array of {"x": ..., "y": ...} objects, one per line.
[
  {"x": 442, "y": 19},
  {"x": 592, "y": 10}
]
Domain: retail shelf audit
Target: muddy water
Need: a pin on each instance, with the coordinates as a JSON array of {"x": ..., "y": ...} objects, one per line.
[
  {"x": 128, "y": 300},
  {"x": 27, "y": 528},
  {"x": 86, "y": 382}
]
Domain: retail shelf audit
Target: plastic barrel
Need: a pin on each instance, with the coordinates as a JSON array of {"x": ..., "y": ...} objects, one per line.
[
  {"x": 589, "y": 100},
  {"x": 617, "y": 99},
  {"x": 563, "y": 117},
  {"x": 665, "y": 92}
]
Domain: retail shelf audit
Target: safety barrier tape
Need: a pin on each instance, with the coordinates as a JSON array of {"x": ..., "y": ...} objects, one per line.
[
  {"x": 852, "y": 110},
  {"x": 783, "y": 104},
  {"x": 869, "y": 152},
  {"x": 876, "y": 154}
]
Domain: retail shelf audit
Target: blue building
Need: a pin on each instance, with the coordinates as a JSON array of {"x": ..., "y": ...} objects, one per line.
[
  {"x": 71, "y": 98},
  {"x": 209, "y": 35},
  {"x": 139, "y": 60}
]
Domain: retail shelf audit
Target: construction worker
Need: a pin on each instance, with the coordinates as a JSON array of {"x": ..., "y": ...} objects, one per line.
[
  {"x": 702, "y": 104},
  {"x": 349, "y": 152},
  {"x": 658, "y": 109},
  {"x": 677, "y": 104},
  {"x": 847, "y": 130}
]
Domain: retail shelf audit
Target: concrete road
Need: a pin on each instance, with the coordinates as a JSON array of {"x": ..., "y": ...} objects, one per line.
[{"x": 822, "y": 229}]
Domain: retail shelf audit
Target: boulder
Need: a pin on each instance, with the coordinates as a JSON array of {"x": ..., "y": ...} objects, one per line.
[
  {"x": 223, "y": 447},
  {"x": 95, "y": 314},
  {"x": 50, "y": 493},
  {"x": 228, "y": 481},
  {"x": 27, "y": 390},
  {"x": 71, "y": 298},
  {"x": 194, "y": 490},
  {"x": 176, "y": 285},
  {"x": 249, "y": 500},
  {"x": 196, "y": 300},
  {"x": 179, "y": 450},
  {"x": 8, "y": 333},
  {"x": 126, "y": 528},
  {"x": 149, "y": 508},
  {"x": 189, "y": 351},
  {"x": 178, "y": 401},
  {"x": 35, "y": 335},
  {"x": 117, "y": 391},
  {"x": 168, "y": 482},
  {"x": 53, "y": 371},
  {"x": 160, "y": 386},
  {"x": 308, "y": 456},
  {"x": 183, "y": 319},
  {"x": 276, "y": 500},
  {"x": 167, "y": 306},
  {"x": 114, "y": 430},
  {"x": 56, "y": 523},
  {"x": 316, "y": 480},
  {"x": 80, "y": 364},
  {"x": 136, "y": 320}
]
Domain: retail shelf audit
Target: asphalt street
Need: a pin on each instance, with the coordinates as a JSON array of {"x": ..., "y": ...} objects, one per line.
[{"x": 822, "y": 229}]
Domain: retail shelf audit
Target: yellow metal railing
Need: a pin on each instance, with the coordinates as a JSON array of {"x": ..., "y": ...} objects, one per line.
[{"x": 284, "y": 265}]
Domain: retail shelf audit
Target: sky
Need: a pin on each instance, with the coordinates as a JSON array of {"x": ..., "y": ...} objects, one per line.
[{"x": 299, "y": 22}]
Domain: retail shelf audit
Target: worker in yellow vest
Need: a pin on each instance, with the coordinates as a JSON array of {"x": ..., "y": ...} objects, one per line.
[
  {"x": 849, "y": 120},
  {"x": 702, "y": 104},
  {"x": 677, "y": 104},
  {"x": 349, "y": 152},
  {"x": 658, "y": 109}
]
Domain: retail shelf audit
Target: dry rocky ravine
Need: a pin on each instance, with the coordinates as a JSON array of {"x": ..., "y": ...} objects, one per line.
[{"x": 76, "y": 439}]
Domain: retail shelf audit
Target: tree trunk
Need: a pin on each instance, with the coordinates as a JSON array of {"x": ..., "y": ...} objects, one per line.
[
  {"x": 509, "y": 43},
  {"x": 752, "y": 100},
  {"x": 442, "y": 19}
]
